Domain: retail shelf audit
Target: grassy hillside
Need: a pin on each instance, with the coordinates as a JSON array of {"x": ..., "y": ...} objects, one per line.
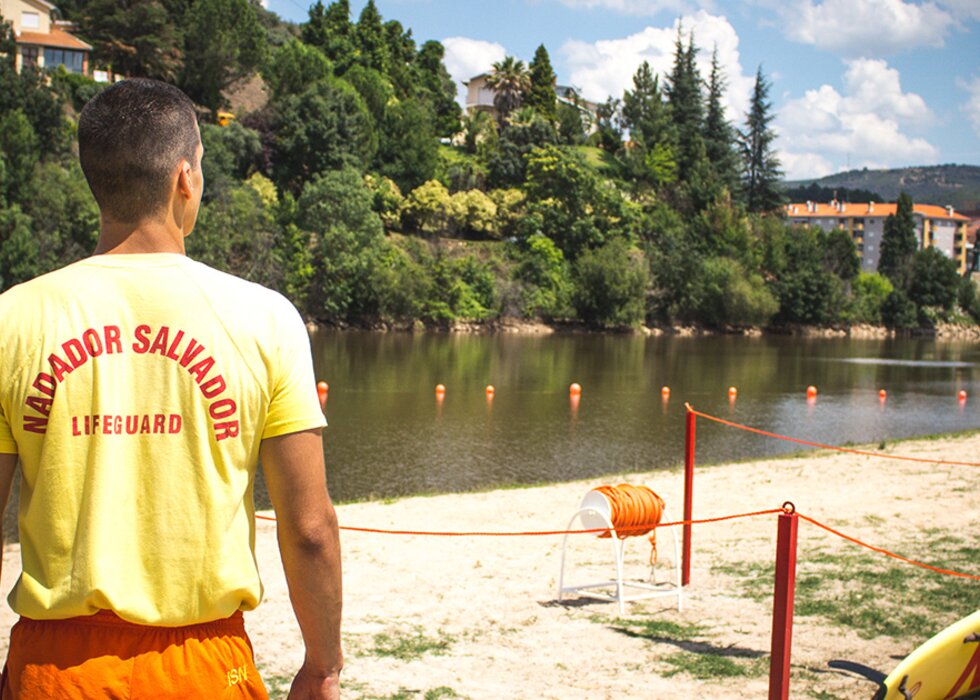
[{"x": 958, "y": 185}]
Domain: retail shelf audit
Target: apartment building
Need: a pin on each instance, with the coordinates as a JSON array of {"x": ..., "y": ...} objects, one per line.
[{"x": 935, "y": 226}]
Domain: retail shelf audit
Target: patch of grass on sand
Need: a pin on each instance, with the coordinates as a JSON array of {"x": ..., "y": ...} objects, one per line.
[
  {"x": 657, "y": 630},
  {"x": 874, "y": 595},
  {"x": 440, "y": 693},
  {"x": 408, "y": 646},
  {"x": 712, "y": 667},
  {"x": 277, "y": 685}
]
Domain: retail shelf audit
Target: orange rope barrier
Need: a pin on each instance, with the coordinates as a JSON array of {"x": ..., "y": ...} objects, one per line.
[
  {"x": 535, "y": 533},
  {"x": 827, "y": 447},
  {"x": 885, "y": 551}
]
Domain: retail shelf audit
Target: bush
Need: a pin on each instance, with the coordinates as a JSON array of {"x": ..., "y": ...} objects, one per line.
[
  {"x": 731, "y": 295},
  {"x": 868, "y": 295},
  {"x": 899, "y": 311},
  {"x": 428, "y": 208},
  {"x": 610, "y": 284},
  {"x": 475, "y": 214},
  {"x": 544, "y": 272},
  {"x": 934, "y": 279},
  {"x": 968, "y": 298}
]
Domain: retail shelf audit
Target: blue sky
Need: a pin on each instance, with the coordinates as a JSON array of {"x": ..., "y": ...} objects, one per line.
[{"x": 855, "y": 83}]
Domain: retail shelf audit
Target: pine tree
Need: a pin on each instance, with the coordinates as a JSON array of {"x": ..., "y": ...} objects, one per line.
[
  {"x": 686, "y": 109},
  {"x": 369, "y": 34},
  {"x": 719, "y": 136},
  {"x": 541, "y": 96},
  {"x": 760, "y": 165},
  {"x": 435, "y": 86},
  {"x": 650, "y": 156},
  {"x": 134, "y": 38},
  {"x": 898, "y": 243},
  {"x": 401, "y": 58},
  {"x": 331, "y": 31}
]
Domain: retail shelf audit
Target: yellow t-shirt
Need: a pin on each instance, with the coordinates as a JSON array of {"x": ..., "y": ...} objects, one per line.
[{"x": 136, "y": 390}]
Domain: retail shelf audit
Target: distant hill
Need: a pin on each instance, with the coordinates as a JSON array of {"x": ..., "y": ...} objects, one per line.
[{"x": 958, "y": 185}]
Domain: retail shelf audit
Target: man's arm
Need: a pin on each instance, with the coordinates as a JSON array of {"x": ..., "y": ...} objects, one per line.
[
  {"x": 310, "y": 548},
  {"x": 8, "y": 463}
]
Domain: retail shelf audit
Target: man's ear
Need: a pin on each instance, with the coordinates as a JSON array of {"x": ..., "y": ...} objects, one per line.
[{"x": 185, "y": 184}]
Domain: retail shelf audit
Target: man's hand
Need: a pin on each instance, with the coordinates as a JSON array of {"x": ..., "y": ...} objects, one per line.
[
  {"x": 309, "y": 686},
  {"x": 310, "y": 548}
]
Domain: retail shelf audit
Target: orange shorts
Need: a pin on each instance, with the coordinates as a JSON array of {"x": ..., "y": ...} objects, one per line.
[{"x": 101, "y": 657}]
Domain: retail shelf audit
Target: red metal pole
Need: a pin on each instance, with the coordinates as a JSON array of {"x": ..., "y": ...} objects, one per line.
[
  {"x": 782, "y": 604},
  {"x": 688, "y": 495}
]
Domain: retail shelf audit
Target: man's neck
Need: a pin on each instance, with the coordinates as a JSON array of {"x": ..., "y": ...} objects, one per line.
[{"x": 145, "y": 236}]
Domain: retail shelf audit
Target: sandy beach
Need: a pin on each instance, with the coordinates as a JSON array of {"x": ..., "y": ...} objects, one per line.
[{"x": 477, "y": 618}]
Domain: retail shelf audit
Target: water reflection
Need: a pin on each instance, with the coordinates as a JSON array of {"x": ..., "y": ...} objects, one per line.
[{"x": 388, "y": 435}]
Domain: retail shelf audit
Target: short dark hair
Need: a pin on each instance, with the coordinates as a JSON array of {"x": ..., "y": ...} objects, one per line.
[{"x": 130, "y": 138}]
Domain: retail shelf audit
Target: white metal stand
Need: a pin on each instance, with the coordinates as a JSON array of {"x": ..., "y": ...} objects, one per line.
[{"x": 593, "y": 518}]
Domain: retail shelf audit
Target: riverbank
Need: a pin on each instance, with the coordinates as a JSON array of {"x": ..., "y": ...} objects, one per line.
[
  {"x": 518, "y": 326},
  {"x": 478, "y": 618}
]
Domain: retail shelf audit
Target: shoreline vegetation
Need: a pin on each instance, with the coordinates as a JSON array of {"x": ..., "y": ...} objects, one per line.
[
  {"x": 518, "y": 326},
  {"x": 479, "y": 618}
]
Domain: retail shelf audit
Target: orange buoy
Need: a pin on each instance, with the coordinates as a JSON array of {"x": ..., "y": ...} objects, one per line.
[
  {"x": 490, "y": 390},
  {"x": 811, "y": 392},
  {"x": 962, "y": 395},
  {"x": 732, "y": 392},
  {"x": 665, "y": 392},
  {"x": 575, "y": 389},
  {"x": 322, "y": 389},
  {"x": 440, "y": 389},
  {"x": 882, "y": 394}
]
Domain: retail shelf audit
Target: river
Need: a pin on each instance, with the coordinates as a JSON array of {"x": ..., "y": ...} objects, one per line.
[{"x": 390, "y": 435}]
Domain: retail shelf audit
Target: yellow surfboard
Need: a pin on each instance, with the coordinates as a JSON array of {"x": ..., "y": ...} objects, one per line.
[{"x": 945, "y": 667}]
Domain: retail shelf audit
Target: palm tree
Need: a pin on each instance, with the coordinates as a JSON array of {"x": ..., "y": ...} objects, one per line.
[{"x": 510, "y": 80}]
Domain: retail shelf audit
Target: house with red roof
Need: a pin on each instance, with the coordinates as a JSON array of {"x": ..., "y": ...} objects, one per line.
[
  {"x": 44, "y": 40},
  {"x": 938, "y": 227}
]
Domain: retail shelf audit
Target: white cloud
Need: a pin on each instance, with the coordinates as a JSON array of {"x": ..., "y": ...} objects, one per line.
[
  {"x": 466, "y": 58},
  {"x": 864, "y": 127},
  {"x": 972, "y": 105},
  {"x": 866, "y": 27},
  {"x": 640, "y": 7},
  {"x": 606, "y": 68},
  {"x": 962, "y": 9}
]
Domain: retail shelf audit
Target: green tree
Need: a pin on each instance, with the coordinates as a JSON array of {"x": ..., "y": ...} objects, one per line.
[
  {"x": 237, "y": 232},
  {"x": 546, "y": 279},
  {"x": 731, "y": 295},
  {"x": 571, "y": 126},
  {"x": 330, "y": 30},
  {"x": 231, "y": 153},
  {"x": 224, "y": 43},
  {"x": 576, "y": 208},
  {"x": 507, "y": 163},
  {"x": 510, "y": 82},
  {"x": 375, "y": 90},
  {"x": 20, "y": 149},
  {"x": 370, "y": 38},
  {"x": 64, "y": 214},
  {"x": 650, "y": 158},
  {"x": 541, "y": 93},
  {"x": 20, "y": 249},
  {"x": 808, "y": 293},
  {"x": 868, "y": 295},
  {"x": 407, "y": 149},
  {"x": 401, "y": 56},
  {"x": 719, "y": 136},
  {"x": 840, "y": 256},
  {"x": 135, "y": 38},
  {"x": 934, "y": 279},
  {"x": 686, "y": 109},
  {"x": 293, "y": 68},
  {"x": 325, "y": 128},
  {"x": 351, "y": 249},
  {"x": 760, "y": 165},
  {"x": 610, "y": 284},
  {"x": 898, "y": 243},
  {"x": 434, "y": 85}
]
